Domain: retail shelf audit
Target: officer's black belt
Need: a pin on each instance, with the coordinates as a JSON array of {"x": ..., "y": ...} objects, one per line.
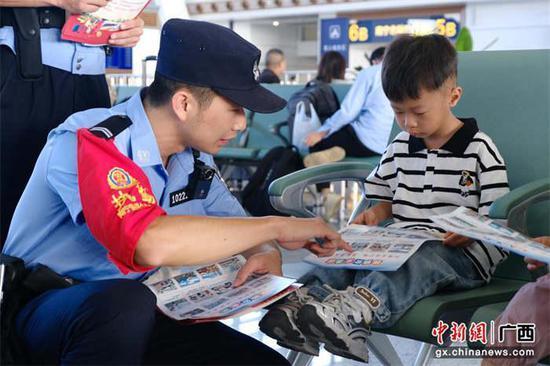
[
  {"x": 48, "y": 17},
  {"x": 26, "y": 23}
]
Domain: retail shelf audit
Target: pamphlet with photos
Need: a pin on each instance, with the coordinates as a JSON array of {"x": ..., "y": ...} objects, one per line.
[
  {"x": 96, "y": 28},
  {"x": 468, "y": 223},
  {"x": 375, "y": 248},
  {"x": 206, "y": 293}
]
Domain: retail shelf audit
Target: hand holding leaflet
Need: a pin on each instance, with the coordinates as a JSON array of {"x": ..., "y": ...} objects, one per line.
[
  {"x": 374, "y": 248},
  {"x": 208, "y": 293},
  {"x": 97, "y": 27},
  {"x": 468, "y": 223}
]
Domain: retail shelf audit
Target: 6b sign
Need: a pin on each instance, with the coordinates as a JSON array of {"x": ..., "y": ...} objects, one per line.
[
  {"x": 385, "y": 30},
  {"x": 357, "y": 33}
]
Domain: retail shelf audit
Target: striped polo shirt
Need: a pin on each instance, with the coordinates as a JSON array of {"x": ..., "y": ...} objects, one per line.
[{"x": 466, "y": 171}]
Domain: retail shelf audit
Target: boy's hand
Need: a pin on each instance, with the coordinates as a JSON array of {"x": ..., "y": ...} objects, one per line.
[
  {"x": 367, "y": 217},
  {"x": 314, "y": 137},
  {"x": 260, "y": 263},
  {"x": 129, "y": 33},
  {"x": 533, "y": 264},
  {"x": 455, "y": 240}
]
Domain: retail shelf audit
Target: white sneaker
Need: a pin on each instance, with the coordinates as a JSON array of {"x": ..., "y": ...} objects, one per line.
[
  {"x": 340, "y": 319},
  {"x": 331, "y": 155}
]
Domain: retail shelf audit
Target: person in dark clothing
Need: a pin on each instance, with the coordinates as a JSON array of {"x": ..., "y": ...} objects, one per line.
[{"x": 275, "y": 67}]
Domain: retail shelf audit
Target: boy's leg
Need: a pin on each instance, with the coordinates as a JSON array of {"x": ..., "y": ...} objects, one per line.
[
  {"x": 340, "y": 318},
  {"x": 433, "y": 267},
  {"x": 206, "y": 344},
  {"x": 100, "y": 322}
]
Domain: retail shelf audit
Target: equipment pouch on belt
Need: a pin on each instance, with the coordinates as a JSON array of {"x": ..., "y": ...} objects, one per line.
[{"x": 27, "y": 43}]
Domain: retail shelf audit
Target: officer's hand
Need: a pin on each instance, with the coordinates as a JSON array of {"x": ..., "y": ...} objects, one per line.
[
  {"x": 533, "y": 264},
  {"x": 260, "y": 263},
  {"x": 455, "y": 240},
  {"x": 314, "y": 137},
  {"x": 81, "y": 6},
  {"x": 129, "y": 33},
  {"x": 296, "y": 233}
]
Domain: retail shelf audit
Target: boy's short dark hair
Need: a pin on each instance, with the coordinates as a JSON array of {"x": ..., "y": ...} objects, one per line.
[
  {"x": 415, "y": 63},
  {"x": 162, "y": 89}
]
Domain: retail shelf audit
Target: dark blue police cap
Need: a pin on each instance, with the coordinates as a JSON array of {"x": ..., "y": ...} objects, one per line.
[{"x": 209, "y": 55}]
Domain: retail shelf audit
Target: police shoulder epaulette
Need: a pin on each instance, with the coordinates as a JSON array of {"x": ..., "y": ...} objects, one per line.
[{"x": 111, "y": 127}]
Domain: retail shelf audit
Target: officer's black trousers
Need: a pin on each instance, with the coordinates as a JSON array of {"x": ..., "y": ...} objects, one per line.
[
  {"x": 115, "y": 322},
  {"x": 29, "y": 110}
]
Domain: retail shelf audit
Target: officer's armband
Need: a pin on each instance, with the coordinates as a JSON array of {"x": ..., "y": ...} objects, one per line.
[{"x": 117, "y": 201}]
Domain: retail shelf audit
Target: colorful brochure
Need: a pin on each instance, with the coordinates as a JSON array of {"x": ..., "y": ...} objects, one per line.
[
  {"x": 468, "y": 223},
  {"x": 375, "y": 248},
  {"x": 206, "y": 293},
  {"x": 96, "y": 28}
]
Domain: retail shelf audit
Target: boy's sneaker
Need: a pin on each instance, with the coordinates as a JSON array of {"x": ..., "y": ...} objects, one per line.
[
  {"x": 280, "y": 323},
  {"x": 340, "y": 319},
  {"x": 331, "y": 155}
]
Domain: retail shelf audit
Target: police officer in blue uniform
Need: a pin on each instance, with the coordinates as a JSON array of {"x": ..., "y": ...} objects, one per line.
[{"x": 162, "y": 140}]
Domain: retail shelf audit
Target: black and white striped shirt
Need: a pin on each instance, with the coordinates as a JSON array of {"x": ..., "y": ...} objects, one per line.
[{"x": 419, "y": 182}]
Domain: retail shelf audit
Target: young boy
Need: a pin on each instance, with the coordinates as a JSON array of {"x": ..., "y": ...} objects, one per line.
[{"x": 438, "y": 163}]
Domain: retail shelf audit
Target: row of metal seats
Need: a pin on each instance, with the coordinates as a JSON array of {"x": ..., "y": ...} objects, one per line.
[{"x": 508, "y": 92}]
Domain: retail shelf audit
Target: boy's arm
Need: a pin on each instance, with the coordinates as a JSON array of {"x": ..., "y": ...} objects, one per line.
[{"x": 375, "y": 215}]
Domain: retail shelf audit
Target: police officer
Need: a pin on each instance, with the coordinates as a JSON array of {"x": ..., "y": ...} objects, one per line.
[
  {"x": 118, "y": 192},
  {"x": 43, "y": 81}
]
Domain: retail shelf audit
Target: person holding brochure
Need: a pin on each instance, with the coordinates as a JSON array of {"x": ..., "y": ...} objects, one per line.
[
  {"x": 529, "y": 305},
  {"x": 437, "y": 163},
  {"x": 117, "y": 193},
  {"x": 43, "y": 81}
]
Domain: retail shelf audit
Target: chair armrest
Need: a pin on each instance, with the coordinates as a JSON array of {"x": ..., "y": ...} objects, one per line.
[
  {"x": 513, "y": 206},
  {"x": 286, "y": 192},
  {"x": 276, "y": 130}
]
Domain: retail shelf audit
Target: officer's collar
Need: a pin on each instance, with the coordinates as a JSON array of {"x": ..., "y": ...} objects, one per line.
[
  {"x": 457, "y": 144},
  {"x": 145, "y": 151}
]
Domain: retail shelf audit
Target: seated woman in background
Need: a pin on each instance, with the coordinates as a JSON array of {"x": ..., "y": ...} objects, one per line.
[
  {"x": 360, "y": 128},
  {"x": 317, "y": 92}
]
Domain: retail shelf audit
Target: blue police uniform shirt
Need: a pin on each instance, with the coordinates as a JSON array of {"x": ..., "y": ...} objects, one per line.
[
  {"x": 48, "y": 226},
  {"x": 73, "y": 57},
  {"x": 367, "y": 109}
]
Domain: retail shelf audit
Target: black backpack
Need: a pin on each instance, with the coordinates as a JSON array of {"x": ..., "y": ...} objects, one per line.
[
  {"x": 279, "y": 161},
  {"x": 318, "y": 94}
]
